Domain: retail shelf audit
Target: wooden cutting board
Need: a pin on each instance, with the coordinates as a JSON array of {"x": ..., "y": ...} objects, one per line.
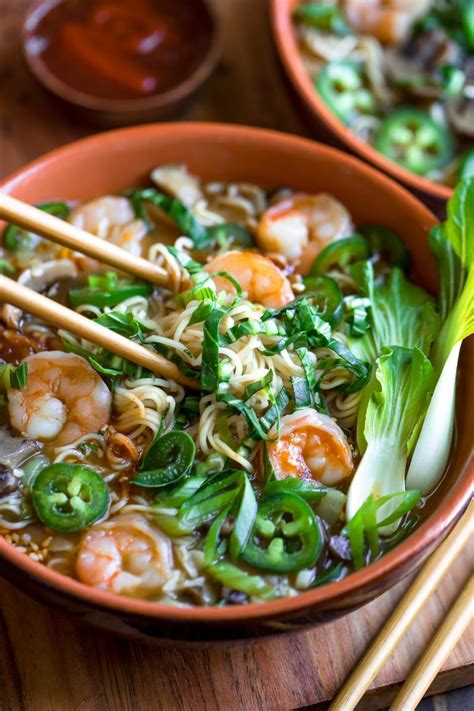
[{"x": 49, "y": 663}]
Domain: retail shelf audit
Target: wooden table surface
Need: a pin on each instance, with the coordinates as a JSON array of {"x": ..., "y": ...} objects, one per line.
[{"x": 49, "y": 663}]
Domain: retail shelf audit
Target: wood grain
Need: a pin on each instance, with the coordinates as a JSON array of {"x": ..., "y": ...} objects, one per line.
[{"x": 49, "y": 663}]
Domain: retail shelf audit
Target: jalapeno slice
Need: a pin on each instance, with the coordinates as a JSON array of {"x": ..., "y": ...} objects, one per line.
[
  {"x": 388, "y": 245},
  {"x": 340, "y": 254},
  {"x": 69, "y": 497},
  {"x": 169, "y": 458},
  {"x": 343, "y": 87},
  {"x": 325, "y": 293},
  {"x": 411, "y": 138},
  {"x": 14, "y": 237},
  {"x": 286, "y": 536}
]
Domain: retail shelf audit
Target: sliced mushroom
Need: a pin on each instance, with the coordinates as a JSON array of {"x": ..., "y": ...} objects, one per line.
[
  {"x": 39, "y": 278},
  {"x": 415, "y": 67},
  {"x": 461, "y": 114},
  {"x": 14, "y": 450},
  {"x": 8, "y": 482},
  {"x": 175, "y": 180}
]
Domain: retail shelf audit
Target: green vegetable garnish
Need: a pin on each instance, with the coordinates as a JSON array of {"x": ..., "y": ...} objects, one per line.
[
  {"x": 387, "y": 245},
  {"x": 340, "y": 254},
  {"x": 107, "y": 290},
  {"x": 69, "y": 497},
  {"x": 390, "y": 416},
  {"x": 286, "y": 536},
  {"x": 175, "y": 210},
  {"x": 169, "y": 458},
  {"x": 15, "y": 238},
  {"x": 343, "y": 87},
  {"x": 364, "y": 528},
  {"x": 411, "y": 138},
  {"x": 322, "y": 16},
  {"x": 452, "y": 244},
  {"x": 13, "y": 377}
]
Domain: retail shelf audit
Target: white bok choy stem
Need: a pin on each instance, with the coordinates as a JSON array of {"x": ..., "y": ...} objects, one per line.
[
  {"x": 393, "y": 408},
  {"x": 453, "y": 247}
]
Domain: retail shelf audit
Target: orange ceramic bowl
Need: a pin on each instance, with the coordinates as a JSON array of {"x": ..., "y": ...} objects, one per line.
[
  {"x": 110, "y": 162},
  {"x": 285, "y": 40}
]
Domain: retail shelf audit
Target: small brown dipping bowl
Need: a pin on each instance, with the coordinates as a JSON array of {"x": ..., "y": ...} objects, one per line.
[{"x": 122, "y": 61}]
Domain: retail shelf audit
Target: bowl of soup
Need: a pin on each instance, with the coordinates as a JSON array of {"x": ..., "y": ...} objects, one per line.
[
  {"x": 122, "y": 62},
  {"x": 393, "y": 82},
  {"x": 250, "y": 503}
]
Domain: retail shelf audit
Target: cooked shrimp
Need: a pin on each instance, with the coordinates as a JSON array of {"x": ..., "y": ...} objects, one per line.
[
  {"x": 301, "y": 225},
  {"x": 63, "y": 399},
  {"x": 126, "y": 555},
  {"x": 111, "y": 218},
  {"x": 258, "y": 276},
  {"x": 388, "y": 20},
  {"x": 311, "y": 446}
]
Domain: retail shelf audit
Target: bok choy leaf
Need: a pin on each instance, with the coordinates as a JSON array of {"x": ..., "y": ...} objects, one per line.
[
  {"x": 392, "y": 410},
  {"x": 452, "y": 244},
  {"x": 401, "y": 314}
]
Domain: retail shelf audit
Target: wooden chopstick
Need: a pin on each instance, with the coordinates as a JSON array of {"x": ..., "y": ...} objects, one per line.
[
  {"x": 30, "y": 218},
  {"x": 442, "y": 643},
  {"x": 431, "y": 574},
  {"x": 60, "y": 316}
]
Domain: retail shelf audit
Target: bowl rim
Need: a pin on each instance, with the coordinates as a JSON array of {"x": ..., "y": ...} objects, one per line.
[
  {"x": 287, "y": 48},
  {"x": 162, "y": 100},
  {"x": 437, "y": 524}
]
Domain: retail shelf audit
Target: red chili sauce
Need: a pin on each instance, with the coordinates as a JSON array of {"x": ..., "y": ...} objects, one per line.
[{"x": 120, "y": 49}]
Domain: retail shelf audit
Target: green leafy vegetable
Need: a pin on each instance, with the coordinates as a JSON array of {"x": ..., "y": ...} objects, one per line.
[
  {"x": 176, "y": 211},
  {"x": 14, "y": 238},
  {"x": 389, "y": 419},
  {"x": 401, "y": 314},
  {"x": 123, "y": 323},
  {"x": 229, "y": 235},
  {"x": 13, "y": 377},
  {"x": 452, "y": 244},
  {"x": 357, "y": 314},
  {"x": 6, "y": 267}
]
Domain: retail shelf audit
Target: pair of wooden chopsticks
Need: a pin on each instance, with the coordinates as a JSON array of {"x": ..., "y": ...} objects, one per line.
[
  {"x": 443, "y": 642},
  {"x": 67, "y": 235}
]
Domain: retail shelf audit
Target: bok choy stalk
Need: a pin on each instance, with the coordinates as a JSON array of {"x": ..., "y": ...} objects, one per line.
[
  {"x": 392, "y": 409},
  {"x": 401, "y": 314},
  {"x": 452, "y": 244}
]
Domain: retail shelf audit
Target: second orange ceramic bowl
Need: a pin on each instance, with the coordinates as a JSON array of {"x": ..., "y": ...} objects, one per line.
[
  {"x": 113, "y": 161},
  {"x": 287, "y": 47}
]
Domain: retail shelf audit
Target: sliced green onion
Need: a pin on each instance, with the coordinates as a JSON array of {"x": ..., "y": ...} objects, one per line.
[{"x": 233, "y": 577}]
